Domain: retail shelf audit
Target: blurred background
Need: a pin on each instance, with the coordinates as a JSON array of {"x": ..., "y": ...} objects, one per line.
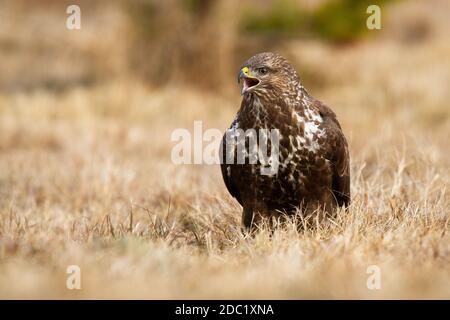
[
  {"x": 199, "y": 43},
  {"x": 158, "y": 65},
  {"x": 85, "y": 123}
]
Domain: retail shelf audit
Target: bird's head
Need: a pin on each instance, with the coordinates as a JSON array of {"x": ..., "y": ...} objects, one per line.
[{"x": 267, "y": 73}]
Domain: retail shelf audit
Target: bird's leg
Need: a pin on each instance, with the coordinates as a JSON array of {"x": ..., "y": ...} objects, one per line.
[
  {"x": 254, "y": 220},
  {"x": 247, "y": 220}
]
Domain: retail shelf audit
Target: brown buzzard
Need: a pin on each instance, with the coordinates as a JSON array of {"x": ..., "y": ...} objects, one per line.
[{"x": 313, "y": 170}]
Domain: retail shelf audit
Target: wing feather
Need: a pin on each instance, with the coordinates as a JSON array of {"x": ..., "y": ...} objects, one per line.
[
  {"x": 227, "y": 172},
  {"x": 337, "y": 153}
]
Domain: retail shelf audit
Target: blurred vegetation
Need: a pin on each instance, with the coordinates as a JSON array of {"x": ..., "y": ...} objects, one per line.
[
  {"x": 336, "y": 21},
  {"x": 195, "y": 42},
  {"x": 178, "y": 39},
  {"x": 343, "y": 20},
  {"x": 284, "y": 16},
  {"x": 181, "y": 39}
]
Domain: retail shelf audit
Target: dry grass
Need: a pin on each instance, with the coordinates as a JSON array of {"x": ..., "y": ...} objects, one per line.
[{"x": 86, "y": 179}]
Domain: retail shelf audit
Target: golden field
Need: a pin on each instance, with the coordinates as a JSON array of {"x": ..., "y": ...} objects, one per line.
[{"x": 86, "y": 176}]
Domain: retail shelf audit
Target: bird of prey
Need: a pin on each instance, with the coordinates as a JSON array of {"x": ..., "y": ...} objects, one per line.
[{"x": 313, "y": 161}]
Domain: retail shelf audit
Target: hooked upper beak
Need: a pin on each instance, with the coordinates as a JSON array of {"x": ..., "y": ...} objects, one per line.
[{"x": 249, "y": 81}]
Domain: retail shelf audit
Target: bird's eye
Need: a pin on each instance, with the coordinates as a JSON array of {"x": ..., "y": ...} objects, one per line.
[{"x": 262, "y": 70}]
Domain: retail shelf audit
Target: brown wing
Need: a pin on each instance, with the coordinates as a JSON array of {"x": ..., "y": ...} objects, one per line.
[
  {"x": 227, "y": 172},
  {"x": 337, "y": 153}
]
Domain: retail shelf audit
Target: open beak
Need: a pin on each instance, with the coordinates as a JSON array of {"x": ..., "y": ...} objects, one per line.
[{"x": 249, "y": 81}]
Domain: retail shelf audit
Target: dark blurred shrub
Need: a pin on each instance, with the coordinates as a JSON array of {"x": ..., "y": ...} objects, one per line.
[
  {"x": 343, "y": 20},
  {"x": 284, "y": 16},
  {"x": 335, "y": 20}
]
